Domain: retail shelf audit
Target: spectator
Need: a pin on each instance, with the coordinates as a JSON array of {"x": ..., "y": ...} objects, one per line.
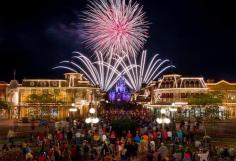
[
  {"x": 163, "y": 151},
  {"x": 10, "y": 136}
]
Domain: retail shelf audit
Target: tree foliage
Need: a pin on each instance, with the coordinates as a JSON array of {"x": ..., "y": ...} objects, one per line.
[
  {"x": 4, "y": 105},
  {"x": 212, "y": 98},
  {"x": 42, "y": 98},
  {"x": 210, "y": 102}
]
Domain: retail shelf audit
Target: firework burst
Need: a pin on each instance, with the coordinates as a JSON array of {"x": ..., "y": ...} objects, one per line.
[
  {"x": 143, "y": 73},
  {"x": 115, "y": 27},
  {"x": 102, "y": 73}
]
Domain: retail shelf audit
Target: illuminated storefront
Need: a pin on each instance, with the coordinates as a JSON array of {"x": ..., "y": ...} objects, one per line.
[
  {"x": 228, "y": 90},
  {"x": 72, "y": 96},
  {"x": 53, "y": 99},
  {"x": 175, "y": 88},
  {"x": 4, "y": 110}
]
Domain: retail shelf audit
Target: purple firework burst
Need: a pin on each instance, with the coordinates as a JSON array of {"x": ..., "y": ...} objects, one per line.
[{"x": 116, "y": 27}]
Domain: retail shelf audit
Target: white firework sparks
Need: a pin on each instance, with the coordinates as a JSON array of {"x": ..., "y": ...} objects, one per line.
[
  {"x": 115, "y": 27},
  {"x": 143, "y": 73},
  {"x": 102, "y": 73}
]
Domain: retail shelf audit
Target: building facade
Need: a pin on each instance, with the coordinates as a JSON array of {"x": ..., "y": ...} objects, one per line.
[
  {"x": 4, "y": 112},
  {"x": 173, "y": 88},
  {"x": 228, "y": 90},
  {"x": 3, "y": 88},
  {"x": 176, "y": 89},
  {"x": 72, "y": 96},
  {"x": 52, "y": 99}
]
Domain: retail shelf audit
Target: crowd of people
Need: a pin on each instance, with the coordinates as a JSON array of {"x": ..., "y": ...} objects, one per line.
[{"x": 149, "y": 141}]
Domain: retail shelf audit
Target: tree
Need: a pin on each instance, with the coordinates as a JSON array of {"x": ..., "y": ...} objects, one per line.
[
  {"x": 5, "y": 105},
  {"x": 41, "y": 100},
  {"x": 210, "y": 101},
  {"x": 213, "y": 98}
]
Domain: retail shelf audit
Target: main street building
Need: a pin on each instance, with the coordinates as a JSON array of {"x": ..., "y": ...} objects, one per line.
[
  {"x": 54, "y": 99},
  {"x": 72, "y": 96},
  {"x": 176, "y": 89}
]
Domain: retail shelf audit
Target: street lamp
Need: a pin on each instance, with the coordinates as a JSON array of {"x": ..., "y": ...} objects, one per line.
[
  {"x": 92, "y": 119},
  {"x": 163, "y": 121},
  {"x": 172, "y": 110},
  {"x": 92, "y": 110},
  {"x": 163, "y": 111}
]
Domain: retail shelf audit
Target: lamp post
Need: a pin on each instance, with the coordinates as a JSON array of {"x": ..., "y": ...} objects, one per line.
[
  {"x": 92, "y": 119},
  {"x": 163, "y": 120},
  {"x": 163, "y": 111},
  {"x": 172, "y": 110}
]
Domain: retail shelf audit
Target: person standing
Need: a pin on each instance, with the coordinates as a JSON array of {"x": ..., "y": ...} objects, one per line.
[
  {"x": 204, "y": 156},
  {"x": 69, "y": 136},
  {"x": 73, "y": 153},
  {"x": 108, "y": 157},
  {"x": 137, "y": 139},
  {"x": 66, "y": 155},
  {"x": 42, "y": 156},
  {"x": 169, "y": 134},
  {"x": 149, "y": 156},
  {"x": 10, "y": 136},
  {"x": 129, "y": 136},
  {"x": 187, "y": 155},
  {"x": 163, "y": 151},
  {"x": 152, "y": 145}
]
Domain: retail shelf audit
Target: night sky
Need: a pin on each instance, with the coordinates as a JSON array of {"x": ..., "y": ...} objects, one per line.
[{"x": 198, "y": 36}]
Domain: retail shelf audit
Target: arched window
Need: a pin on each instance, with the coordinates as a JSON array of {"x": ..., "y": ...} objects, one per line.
[
  {"x": 163, "y": 85},
  {"x": 186, "y": 84},
  {"x": 167, "y": 85},
  {"x": 171, "y": 84},
  {"x": 192, "y": 84},
  {"x": 163, "y": 95},
  {"x": 167, "y": 95},
  {"x": 197, "y": 84}
]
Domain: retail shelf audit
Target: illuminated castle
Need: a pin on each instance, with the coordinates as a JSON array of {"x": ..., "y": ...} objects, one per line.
[{"x": 120, "y": 92}]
